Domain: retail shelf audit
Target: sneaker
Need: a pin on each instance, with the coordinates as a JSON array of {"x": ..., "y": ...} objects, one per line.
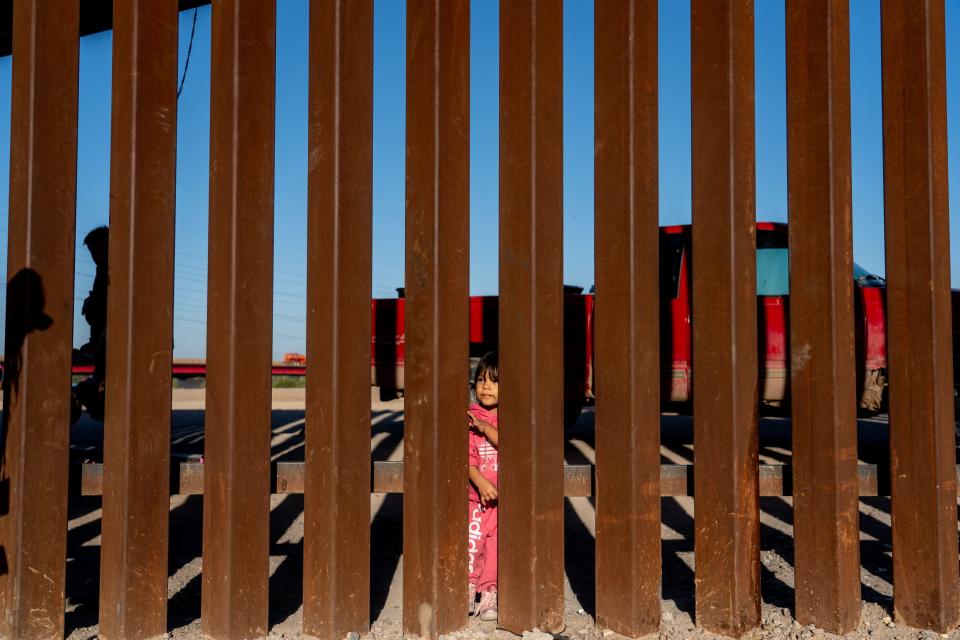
[
  {"x": 471, "y": 597},
  {"x": 487, "y": 609}
]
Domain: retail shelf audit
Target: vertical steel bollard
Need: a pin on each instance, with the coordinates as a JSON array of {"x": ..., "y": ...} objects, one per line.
[
  {"x": 627, "y": 320},
  {"x": 337, "y": 479},
  {"x": 39, "y": 330},
  {"x": 727, "y": 524},
  {"x": 136, "y": 501},
  {"x": 437, "y": 291},
  {"x": 823, "y": 379},
  {"x": 922, "y": 452},
  {"x": 531, "y": 332},
  {"x": 236, "y": 513}
]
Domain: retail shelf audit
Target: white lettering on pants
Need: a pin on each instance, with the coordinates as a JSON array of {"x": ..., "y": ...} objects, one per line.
[{"x": 473, "y": 534}]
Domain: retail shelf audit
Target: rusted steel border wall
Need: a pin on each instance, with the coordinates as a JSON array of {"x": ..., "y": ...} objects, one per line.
[
  {"x": 627, "y": 318},
  {"x": 39, "y": 332},
  {"x": 922, "y": 446},
  {"x": 336, "y": 553},
  {"x": 531, "y": 333},
  {"x": 822, "y": 387},
  {"x": 727, "y": 523},
  {"x": 238, "y": 477},
  {"x": 437, "y": 290},
  {"x": 136, "y": 504},
  {"x": 236, "y": 522}
]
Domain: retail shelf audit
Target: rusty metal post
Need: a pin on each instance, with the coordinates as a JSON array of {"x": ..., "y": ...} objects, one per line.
[
  {"x": 437, "y": 316},
  {"x": 236, "y": 514},
  {"x": 727, "y": 550},
  {"x": 823, "y": 380},
  {"x": 922, "y": 476},
  {"x": 627, "y": 349},
  {"x": 39, "y": 329},
  {"x": 336, "y": 585},
  {"x": 136, "y": 501},
  {"x": 531, "y": 334}
]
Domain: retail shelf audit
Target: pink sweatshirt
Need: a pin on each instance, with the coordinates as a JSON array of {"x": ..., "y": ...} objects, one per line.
[{"x": 483, "y": 455}]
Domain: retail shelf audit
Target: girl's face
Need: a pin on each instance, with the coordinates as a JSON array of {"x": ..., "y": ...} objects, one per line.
[{"x": 488, "y": 391}]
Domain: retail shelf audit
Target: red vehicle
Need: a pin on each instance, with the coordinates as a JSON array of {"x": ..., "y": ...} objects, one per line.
[
  {"x": 388, "y": 351},
  {"x": 295, "y": 359},
  {"x": 676, "y": 344},
  {"x": 773, "y": 333}
]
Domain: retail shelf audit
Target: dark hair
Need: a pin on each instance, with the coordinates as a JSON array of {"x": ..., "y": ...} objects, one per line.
[
  {"x": 97, "y": 236},
  {"x": 488, "y": 365}
]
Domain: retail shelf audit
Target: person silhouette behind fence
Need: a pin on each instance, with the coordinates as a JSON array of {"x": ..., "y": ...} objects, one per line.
[{"x": 89, "y": 393}]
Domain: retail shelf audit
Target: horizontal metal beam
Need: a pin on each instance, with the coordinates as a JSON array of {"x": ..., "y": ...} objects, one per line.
[{"x": 578, "y": 479}]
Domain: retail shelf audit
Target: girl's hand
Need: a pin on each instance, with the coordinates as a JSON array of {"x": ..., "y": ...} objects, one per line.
[
  {"x": 482, "y": 426},
  {"x": 488, "y": 492},
  {"x": 485, "y": 429}
]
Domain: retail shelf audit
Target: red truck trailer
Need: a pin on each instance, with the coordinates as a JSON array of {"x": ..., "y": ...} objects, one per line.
[
  {"x": 388, "y": 351},
  {"x": 676, "y": 317},
  {"x": 773, "y": 329}
]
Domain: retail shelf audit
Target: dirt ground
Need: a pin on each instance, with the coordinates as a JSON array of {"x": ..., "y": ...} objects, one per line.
[{"x": 286, "y": 524}]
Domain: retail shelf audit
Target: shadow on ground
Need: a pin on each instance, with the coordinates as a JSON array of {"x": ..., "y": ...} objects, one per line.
[{"x": 286, "y": 546}]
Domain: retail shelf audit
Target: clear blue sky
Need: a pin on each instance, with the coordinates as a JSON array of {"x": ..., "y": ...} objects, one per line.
[{"x": 388, "y": 197}]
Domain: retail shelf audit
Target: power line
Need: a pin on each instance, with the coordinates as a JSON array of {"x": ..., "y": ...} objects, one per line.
[{"x": 186, "y": 64}]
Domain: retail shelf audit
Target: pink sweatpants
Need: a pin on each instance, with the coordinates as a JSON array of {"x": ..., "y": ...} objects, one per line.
[{"x": 482, "y": 547}]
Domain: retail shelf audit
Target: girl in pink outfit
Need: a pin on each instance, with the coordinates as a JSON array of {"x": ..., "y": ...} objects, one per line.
[{"x": 483, "y": 461}]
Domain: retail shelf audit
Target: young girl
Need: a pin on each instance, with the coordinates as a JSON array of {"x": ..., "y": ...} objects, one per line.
[{"x": 482, "y": 530}]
